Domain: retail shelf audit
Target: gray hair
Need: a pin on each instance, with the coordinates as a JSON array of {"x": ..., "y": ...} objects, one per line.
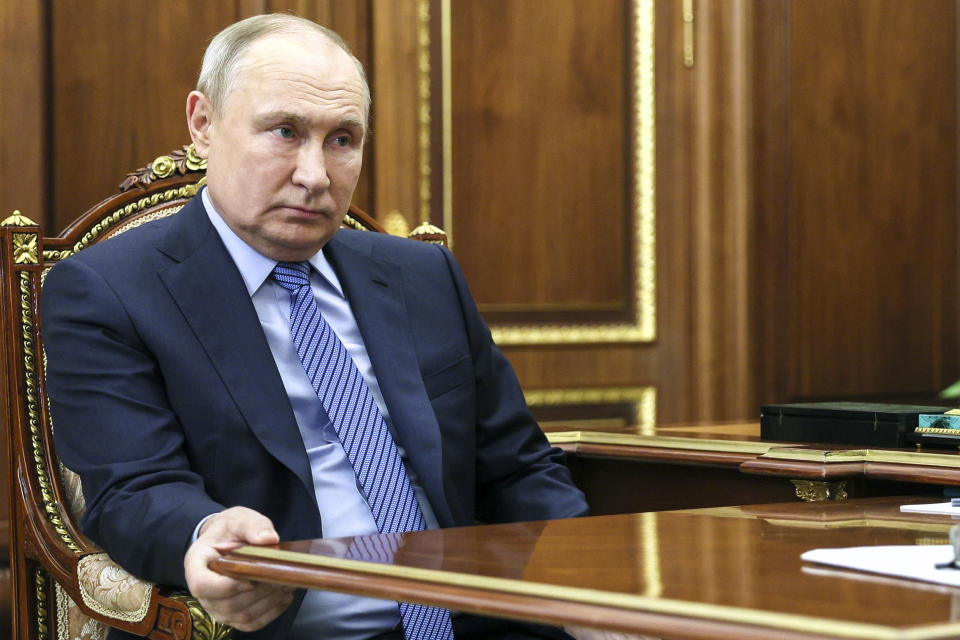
[{"x": 218, "y": 74}]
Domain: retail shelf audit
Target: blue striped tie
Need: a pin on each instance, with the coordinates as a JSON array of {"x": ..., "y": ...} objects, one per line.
[{"x": 362, "y": 432}]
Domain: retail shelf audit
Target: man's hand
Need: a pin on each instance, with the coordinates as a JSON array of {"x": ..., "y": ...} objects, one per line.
[{"x": 244, "y": 605}]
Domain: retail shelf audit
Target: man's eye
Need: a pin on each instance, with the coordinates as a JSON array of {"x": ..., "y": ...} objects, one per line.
[
  {"x": 284, "y": 132},
  {"x": 342, "y": 141}
]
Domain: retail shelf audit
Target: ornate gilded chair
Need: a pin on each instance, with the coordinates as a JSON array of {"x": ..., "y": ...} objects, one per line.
[{"x": 63, "y": 587}]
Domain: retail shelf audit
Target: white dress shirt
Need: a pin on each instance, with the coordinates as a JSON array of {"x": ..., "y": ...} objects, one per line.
[{"x": 343, "y": 508}]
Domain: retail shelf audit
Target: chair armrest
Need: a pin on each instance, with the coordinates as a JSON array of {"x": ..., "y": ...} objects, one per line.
[{"x": 113, "y": 596}]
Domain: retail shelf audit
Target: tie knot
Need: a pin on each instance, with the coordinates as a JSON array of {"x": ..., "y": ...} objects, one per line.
[{"x": 292, "y": 275}]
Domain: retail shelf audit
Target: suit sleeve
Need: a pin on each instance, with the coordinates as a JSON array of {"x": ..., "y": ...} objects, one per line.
[
  {"x": 113, "y": 425},
  {"x": 519, "y": 475}
]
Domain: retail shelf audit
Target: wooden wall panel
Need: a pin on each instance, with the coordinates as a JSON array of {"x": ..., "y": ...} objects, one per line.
[
  {"x": 805, "y": 172},
  {"x": 872, "y": 210},
  {"x": 120, "y": 72},
  {"x": 22, "y": 114},
  {"x": 770, "y": 180},
  {"x": 541, "y": 192},
  {"x": 22, "y": 168},
  {"x": 402, "y": 120},
  {"x": 721, "y": 211}
]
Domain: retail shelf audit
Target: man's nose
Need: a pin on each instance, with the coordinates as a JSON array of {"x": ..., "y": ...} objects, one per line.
[{"x": 311, "y": 169}]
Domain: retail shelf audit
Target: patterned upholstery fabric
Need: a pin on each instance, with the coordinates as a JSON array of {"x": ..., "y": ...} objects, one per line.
[
  {"x": 106, "y": 587},
  {"x": 110, "y": 590}
]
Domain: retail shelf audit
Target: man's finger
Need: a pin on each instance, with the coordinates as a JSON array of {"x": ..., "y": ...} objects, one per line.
[
  {"x": 252, "y": 610},
  {"x": 241, "y": 525}
]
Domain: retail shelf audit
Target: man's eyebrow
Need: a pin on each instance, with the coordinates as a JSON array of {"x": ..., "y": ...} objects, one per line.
[
  {"x": 300, "y": 121},
  {"x": 353, "y": 124},
  {"x": 281, "y": 116}
]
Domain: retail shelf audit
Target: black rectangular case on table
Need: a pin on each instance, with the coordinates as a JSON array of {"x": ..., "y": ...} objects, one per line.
[{"x": 852, "y": 423}]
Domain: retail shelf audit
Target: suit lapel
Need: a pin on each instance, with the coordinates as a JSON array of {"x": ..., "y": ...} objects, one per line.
[
  {"x": 374, "y": 287},
  {"x": 210, "y": 292}
]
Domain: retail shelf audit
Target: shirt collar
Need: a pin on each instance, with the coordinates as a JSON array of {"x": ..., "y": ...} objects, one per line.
[{"x": 255, "y": 267}]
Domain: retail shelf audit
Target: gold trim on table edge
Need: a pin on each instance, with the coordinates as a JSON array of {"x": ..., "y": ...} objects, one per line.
[
  {"x": 597, "y": 597},
  {"x": 660, "y": 442},
  {"x": 643, "y": 327},
  {"x": 864, "y": 455},
  {"x": 877, "y": 523}
]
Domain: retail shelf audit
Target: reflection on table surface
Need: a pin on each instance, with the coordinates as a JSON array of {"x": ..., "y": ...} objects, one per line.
[{"x": 682, "y": 572}]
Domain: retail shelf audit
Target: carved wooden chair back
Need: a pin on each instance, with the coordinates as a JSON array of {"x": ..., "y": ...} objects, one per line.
[{"x": 63, "y": 587}]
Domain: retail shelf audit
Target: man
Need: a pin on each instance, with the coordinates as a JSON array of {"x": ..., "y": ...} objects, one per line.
[{"x": 183, "y": 361}]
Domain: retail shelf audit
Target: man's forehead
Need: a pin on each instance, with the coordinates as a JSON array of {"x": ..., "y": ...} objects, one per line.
[
  {"x": 315, "y": 60},
  {"x": 291, "y": 48}
]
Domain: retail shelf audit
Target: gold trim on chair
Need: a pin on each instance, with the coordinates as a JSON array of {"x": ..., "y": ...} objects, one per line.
[
  {"x": 41, "y": 464},
  {"x": 17, "y": 219},
  {"x": 181, "y": 161},
  {"x": 204, "y": 626}
]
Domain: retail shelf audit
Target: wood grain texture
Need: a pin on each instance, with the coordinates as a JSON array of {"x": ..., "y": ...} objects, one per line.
[
  {"x": 397, "y": 124},
  {"x": 541, "y": 192},
  {"x": 707, "y": 574},
  {"x": 872, "y": 212},
  {"x": 806, "y": 169},
  {"x": 23, "y": 161},
  {"x": 120, "y": 75}
]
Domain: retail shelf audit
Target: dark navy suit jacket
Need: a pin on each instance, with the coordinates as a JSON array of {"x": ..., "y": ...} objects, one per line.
[{"x": 166, "y": 400}]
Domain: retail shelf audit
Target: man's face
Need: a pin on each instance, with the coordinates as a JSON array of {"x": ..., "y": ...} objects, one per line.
[{"x": 284, "y": 155}]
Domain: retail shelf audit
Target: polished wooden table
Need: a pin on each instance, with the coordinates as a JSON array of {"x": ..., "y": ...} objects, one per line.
[
  {"x": 729, "y": 572},
  {"x": 727, "y": 464}
]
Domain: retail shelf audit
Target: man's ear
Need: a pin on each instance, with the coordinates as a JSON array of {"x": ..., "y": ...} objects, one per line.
[{"x": 199, "y": 120}]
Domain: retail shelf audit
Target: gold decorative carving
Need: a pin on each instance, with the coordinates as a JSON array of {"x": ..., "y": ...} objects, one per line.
[
  {"x": 642, "y": 327},
  {"x": 427, "y": 232},
  {"x": 193, "y": 160},
  {"x": 204, "y": 626},
  {"x": 25, "y": 248},
  {"x": 352, "y": 223},
  {"x": 819, "y": 490},
  {"x": 17, "y": 219},
  {"x": 181, "y": 161},
  {"x": 118, "y": 216},
  {"x": 643, "y": 399},
  {"x": 423, "y": 133},
  {"x": 43, "y": 606},
  {"x": 163, "y": 167},
  {"x": 41, "y": 463}
]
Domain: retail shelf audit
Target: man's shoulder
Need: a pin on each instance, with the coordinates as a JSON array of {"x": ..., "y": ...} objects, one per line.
[
  {"x": 134, "y": 245},
  {"x": 386, "y": 245}
]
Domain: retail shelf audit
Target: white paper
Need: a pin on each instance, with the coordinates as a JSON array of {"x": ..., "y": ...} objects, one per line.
[
  {"x": 917, "y": 562},
  {"x": 940, "y": 508}
]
